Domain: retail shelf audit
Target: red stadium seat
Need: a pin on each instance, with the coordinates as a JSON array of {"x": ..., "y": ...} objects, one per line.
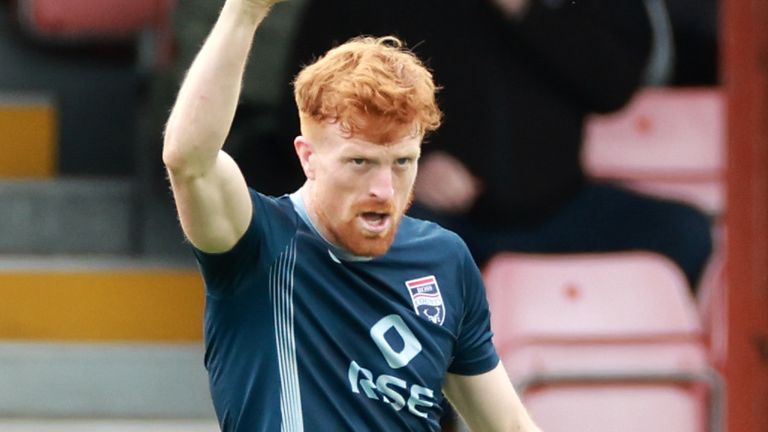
[
  {"x": 74, "y": 21},
  {"x": 92, "y": 18},
  {"x": 713, "y": 308},
  {"x": 611, "y": 407},
  {"x": 603, "y": 342},
  {"x": 668, "y": 142}
]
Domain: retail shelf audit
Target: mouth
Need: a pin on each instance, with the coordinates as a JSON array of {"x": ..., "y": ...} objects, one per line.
[{"x": 375, "y": 222}]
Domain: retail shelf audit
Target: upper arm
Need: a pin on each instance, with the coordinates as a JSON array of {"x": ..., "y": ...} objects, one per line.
[
  {"x": 214, "y": 207},
  {"x": 488, "y": 402}
]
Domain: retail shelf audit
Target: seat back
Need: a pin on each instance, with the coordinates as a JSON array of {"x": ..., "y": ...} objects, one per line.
[
  {"x": 603, "y": 342},
  {"x": 86, "y": 19},
  {"x": 610, "y": 296},
  {"x": 616, "y": 407},
  {"x": 667, "y": 142},
  {"x": 146, "y": 23}
]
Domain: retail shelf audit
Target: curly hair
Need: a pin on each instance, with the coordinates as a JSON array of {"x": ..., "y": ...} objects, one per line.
[{"x": 372, "y": 87}]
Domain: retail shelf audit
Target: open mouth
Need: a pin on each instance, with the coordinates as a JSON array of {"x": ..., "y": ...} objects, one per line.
[{"x": 375, "y": 222}]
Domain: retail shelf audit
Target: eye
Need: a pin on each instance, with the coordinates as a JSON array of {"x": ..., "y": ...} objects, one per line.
[
  {"x": 358, "y": 161},
  {"x": 403, "y": 163}
]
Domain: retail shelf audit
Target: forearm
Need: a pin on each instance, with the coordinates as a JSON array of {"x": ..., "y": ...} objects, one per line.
[
  {"x": 206, "y": 103},
  {"x": 488, "y": 402}
]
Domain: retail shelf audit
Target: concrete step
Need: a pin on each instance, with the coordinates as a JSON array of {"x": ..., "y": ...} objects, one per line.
[
  {"x": 101, "y": 338},
  {"x": 103, "y": 381},
  {"x": 99, "y": 300},
  {"x": 31, "y": 150},
  {"x": 116, "y": 425},
  {"x": 67, "y": 216}
]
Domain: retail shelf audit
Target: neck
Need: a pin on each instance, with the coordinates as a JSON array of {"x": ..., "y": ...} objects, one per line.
[
  {"x": 309, "y": 205},
  {"x": 312, "y": 219}
]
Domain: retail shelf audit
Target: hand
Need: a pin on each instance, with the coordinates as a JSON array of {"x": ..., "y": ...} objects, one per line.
[
  {"x": 445, "y": 184},
  {"x": 512, "y": 8},
  {"x": 266, "y": 4},
  {"x": 257, "y": 9}
]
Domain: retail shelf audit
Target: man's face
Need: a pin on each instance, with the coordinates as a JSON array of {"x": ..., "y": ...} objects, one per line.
[{"x": 359, "y": 189}]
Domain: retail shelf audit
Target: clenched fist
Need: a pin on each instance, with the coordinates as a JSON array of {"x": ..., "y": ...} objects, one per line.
[
  {"x": 264, "y": 3},
  {"x": 512, "y": 8},
  {"x": 445, "y": 185}
]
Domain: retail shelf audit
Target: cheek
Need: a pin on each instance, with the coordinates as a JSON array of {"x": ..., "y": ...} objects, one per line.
[
  {"x": 337, "y": 196},
  {"x": 346, "y": 186},
  {"x": 405, "y": 185}
]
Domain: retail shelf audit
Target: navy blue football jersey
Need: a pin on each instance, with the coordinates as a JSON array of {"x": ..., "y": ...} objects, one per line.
[{"x": 302, "y": 336}]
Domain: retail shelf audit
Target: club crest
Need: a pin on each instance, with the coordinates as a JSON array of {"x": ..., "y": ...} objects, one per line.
[{"x": 427, "y": 301}]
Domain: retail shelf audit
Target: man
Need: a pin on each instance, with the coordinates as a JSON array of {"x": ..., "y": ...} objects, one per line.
[{"x": 328, "y": 309}]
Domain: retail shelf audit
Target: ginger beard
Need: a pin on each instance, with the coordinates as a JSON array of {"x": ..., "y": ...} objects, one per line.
[
  {"x": 350, "y": 231},
  {"x": 355, "y": 207}
]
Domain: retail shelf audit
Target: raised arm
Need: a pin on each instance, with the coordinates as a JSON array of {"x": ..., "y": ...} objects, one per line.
[
  {"x": 488, "y": 402},
  {"x": 210, "y": 192}
]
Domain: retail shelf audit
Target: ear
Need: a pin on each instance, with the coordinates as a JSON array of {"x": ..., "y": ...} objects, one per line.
[{"x": 306, "y": 152}]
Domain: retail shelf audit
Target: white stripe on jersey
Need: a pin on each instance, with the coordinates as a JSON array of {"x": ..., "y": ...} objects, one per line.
[{"x": 281, "y": 292}]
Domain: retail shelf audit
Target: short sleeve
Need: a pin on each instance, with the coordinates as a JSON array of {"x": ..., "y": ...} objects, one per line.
[
  {"x": 475, "y": 353},
  {"x": 224, "y": 273}
]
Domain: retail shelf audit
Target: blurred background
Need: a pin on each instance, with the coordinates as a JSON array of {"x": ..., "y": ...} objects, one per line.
[{"x": 101, "y": 304}]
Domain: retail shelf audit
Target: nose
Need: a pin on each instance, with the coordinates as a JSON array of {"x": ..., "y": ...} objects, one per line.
[{"x": 382, "y": 185}]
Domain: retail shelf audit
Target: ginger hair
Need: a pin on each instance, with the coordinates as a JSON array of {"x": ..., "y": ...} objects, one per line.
[{"x": 372, "y": 87}]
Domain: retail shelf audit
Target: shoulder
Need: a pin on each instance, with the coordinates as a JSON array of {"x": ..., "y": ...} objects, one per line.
[
  {"x": 272, "y": 225},
  {"x": 280, "y": 204},
  {"x": 422, "y": 235},
  {"x": 428, "y": 242},
  {"x": 273, "y": 211}
]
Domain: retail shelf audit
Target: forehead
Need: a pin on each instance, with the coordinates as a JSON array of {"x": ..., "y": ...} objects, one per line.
[{"x": 344, "y": 144}]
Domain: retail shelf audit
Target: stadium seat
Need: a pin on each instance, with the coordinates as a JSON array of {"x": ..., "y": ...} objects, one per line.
[
  {"x": 666, "y": 142},
  {"x": 603, "y": 342},
  {"x": 713, "y": 308},
  {"x": 87, "y": 21}
]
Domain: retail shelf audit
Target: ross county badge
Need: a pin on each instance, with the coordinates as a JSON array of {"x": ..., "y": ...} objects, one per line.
[{"x": 427, "y": 301}]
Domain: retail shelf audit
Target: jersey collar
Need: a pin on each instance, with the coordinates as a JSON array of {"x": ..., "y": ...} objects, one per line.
[{"x": 335, "y": 251}]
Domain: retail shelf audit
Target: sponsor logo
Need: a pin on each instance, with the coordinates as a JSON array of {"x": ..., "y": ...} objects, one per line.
[{"x": 391, "y": 390}]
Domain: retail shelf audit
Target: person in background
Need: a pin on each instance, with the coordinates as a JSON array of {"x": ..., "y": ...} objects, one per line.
[
  {"x": 329, "y": 309},
  {"x": 695, "y": 25},
  {"x": 518, "y": 79}
]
